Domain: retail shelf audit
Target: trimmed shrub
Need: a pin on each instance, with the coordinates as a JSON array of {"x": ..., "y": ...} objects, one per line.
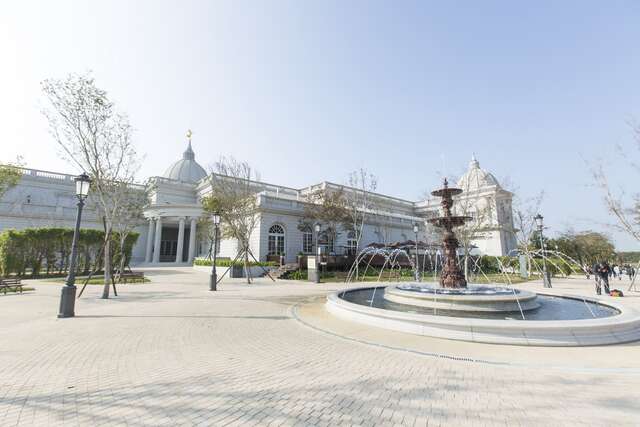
[{"x": 47, "y": 251}]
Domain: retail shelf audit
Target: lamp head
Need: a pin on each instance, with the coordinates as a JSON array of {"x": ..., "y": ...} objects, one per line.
[
  {"x": 215, "y": 217},
  {"x": 539, "y": 220},
  {"x": 83, "y": 182}
]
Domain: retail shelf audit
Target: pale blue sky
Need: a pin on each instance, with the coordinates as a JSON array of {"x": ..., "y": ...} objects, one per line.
[{"x": 309, "y": 90}]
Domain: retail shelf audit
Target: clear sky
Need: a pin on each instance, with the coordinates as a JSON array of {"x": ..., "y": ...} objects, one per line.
[{"x": 307, "y": 91}]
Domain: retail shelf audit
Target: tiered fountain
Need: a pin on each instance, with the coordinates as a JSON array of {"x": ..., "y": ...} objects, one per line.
[
  {"x": 453, "y": 293},
  {"x": 453, "y": 309}
]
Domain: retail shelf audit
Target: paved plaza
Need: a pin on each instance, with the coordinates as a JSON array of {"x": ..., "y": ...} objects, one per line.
[{"x": 171, "y": 353}]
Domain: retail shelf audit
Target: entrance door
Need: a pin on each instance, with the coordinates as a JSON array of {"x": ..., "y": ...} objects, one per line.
[
  {"x": 168, "y": 250},
  {"x": 169, "y": 244}
]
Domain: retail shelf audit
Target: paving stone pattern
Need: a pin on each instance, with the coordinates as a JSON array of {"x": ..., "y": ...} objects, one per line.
[{"x": 172, "y": 353}]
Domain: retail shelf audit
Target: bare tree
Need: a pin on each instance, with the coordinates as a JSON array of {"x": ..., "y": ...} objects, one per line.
[
  {"x": 129, "y": 216},
  {"x": 359, "y": 201},
  {"x": 624, "y": 208},
  {"x": 524, "y": 225},
  {"x": 95, "y": 137},
  {"x": 234, "y": 195},
  {"x": 328, "y": 207},
  {"x": 480, "y": 208}
]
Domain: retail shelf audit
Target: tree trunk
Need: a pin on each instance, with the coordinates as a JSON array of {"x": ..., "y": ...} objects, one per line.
[
  {"x": 246, "y": 264},
  {"x": 466, "y": 266},
  {"x": 122, "y": 259},
  {"x": 107, "y": 265}
]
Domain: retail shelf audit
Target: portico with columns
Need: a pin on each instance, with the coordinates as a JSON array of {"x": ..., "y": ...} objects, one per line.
[
  {"x": 172, "y": 237},
  {"x": 173, "y": 213}
]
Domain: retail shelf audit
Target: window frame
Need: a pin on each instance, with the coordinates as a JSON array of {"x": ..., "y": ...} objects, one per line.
[{"x": 276, "y": 240}]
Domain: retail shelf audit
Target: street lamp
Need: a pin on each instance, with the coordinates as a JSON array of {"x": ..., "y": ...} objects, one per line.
[
  {"x": 415, "y": 231},
  {"x": 546, "y": 277},
  {"x": 68, "y": 293},
  {"x": 317, "y": 275},
  {"x": 213, "y": 280}
]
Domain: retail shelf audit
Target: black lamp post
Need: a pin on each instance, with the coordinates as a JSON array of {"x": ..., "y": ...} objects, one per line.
[
  {"x": 213, "y": 280},
  {"x": 68, "y": 294},
  {"x": 317, "y": 276},
  {"x": 546, "y": 277},
  {"x": 415, "y": 231}
]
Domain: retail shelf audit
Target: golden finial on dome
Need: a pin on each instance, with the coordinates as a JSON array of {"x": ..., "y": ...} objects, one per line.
[{"x": 189, "y": 133}]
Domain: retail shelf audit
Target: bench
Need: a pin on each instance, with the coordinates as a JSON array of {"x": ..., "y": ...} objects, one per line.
[
  {"x": 132, "y": 277},
  {"x": 6, "y": 284}
]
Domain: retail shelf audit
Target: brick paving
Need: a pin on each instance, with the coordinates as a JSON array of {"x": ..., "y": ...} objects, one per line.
[{"x": 172, "y": 353}]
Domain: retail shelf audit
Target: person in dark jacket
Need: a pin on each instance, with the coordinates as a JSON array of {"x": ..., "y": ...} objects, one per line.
[{"x": 605, "y": 272}]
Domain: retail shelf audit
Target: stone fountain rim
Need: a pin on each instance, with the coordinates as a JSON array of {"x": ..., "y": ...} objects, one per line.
[
  {"x": 625, "y": 313},
  {"x": 617, "y": 329}
]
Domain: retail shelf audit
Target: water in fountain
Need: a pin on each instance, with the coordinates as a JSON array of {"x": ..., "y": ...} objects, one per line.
[{"x": 451, "y": 293}]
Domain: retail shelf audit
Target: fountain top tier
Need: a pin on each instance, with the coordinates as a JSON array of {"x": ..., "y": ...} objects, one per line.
[
  {"x": 447, "y": 194},
  {"x": 451, "y": 276}
]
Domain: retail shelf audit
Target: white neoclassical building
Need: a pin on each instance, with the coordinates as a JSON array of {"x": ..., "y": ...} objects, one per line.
[{"x": 170, "y": 235}]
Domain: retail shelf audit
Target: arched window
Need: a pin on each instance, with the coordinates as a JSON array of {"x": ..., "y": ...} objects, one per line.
[
  {"x": 352, "y": 243},
  {"x": 276, "y": 240},
  {"x": 307, "y": 240}
]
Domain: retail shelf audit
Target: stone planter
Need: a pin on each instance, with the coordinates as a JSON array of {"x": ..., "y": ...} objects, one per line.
[{"x": 237, "y": 271}]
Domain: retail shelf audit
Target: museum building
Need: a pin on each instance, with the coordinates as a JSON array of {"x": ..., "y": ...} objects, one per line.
[{"x": 170, "y": 234}]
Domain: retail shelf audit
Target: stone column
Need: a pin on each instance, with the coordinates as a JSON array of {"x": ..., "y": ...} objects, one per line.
[
  {"x": 158, "y": 237},
  {"x": 192, "y": 240},
  {"x": 180, "y": 239},
  {"x": 148, "y": 255}
]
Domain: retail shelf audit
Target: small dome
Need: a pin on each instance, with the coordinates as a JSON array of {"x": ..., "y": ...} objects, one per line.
[
  {"x": 476, "y": 178},
  {"x": 186, "y": 169}
]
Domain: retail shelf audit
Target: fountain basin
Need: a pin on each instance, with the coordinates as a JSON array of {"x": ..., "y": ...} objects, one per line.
[
  {"x": 472, "y": 298},
  {"x": 622, "y": 324}
]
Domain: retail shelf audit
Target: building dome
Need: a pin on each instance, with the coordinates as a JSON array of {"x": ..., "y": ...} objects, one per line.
[
  {"x": 476, "y": 178},
  {"x": 186, "y": 169}
]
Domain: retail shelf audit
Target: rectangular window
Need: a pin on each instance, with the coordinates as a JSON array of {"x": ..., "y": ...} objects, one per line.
[
  {"x": 351, "y": 246},
  {"x": 276, "y": 245},
  {"x": 330, "y": 245},
  {"x": 307, "y": 242}
]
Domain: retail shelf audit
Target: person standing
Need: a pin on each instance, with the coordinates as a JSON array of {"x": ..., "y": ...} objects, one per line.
[
  {"x": 596, "y": 275},
  {"x": 605, "y": 272},
  {"x": 617, "y": 271}
]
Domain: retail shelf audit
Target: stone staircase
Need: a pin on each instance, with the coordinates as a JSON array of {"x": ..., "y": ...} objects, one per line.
[{"x": 283, "y": 270}]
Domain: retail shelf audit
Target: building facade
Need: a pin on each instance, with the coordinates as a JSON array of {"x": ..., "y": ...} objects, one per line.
[{"x": 170, "y": 234}]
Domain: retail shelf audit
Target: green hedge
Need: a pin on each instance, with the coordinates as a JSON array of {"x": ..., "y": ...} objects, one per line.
[
  {"x": 555, "y": 265},
  {"x": 228, "y": 263},
  {"x": 46, "y": 251}
]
